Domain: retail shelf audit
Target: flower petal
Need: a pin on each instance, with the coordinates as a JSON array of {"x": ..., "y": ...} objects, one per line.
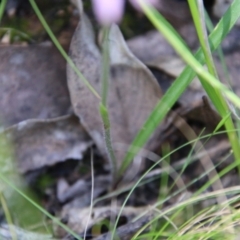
[{"x": 108, "y": 11}]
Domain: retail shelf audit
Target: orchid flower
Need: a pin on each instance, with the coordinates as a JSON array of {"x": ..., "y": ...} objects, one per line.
[{"x": 111, "y": 11}]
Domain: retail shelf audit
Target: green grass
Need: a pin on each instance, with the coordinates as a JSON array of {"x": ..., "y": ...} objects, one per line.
[
  {"x": 185, "y": 78},
  {"x": 2, "y": 8},
  {"x": 214, "y": 94}
]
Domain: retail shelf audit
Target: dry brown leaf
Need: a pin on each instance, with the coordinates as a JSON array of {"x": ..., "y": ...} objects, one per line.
[
  {"x": 220, "y": 7},
  {"x": 41, "y": 143},
  {"x": 77, "y": 217},
  {"x": 154, "y": 51},
  {"x": 193, "y": 104},
  {"x": 8, "y": 231},
  {"x": 129, "y": 230},
  {"x": 133, "y": 90},
  {"x": 33, "y": 84},
  {"x": 177, "y": 12},
  {"x": 79, "y": 192}
]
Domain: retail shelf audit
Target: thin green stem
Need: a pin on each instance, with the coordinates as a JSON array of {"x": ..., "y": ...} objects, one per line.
[
  {"x": 61, "y": 50},
  {"x": 197, "y": 10},
  {"x": 106, "y": 125},
  {"x": 103, "y": 109},
  {"x": 210, "y": 28},
  {"x": 105, "y": 70}
]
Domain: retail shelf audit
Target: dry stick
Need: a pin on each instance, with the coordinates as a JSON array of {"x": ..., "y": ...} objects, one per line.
[
  {"x": 206, "y": 161},
  {"x": 224, "y": 145}
]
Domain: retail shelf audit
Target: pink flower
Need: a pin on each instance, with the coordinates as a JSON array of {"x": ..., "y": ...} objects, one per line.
[
  {"x": 111, "y": 11},
  {"x": 108, "y": 11}
]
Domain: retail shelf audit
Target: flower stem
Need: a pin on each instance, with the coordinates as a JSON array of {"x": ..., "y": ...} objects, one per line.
[{"x": 103, "y": 105}]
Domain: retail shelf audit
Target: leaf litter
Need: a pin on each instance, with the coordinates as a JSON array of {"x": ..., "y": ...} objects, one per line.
[
  {"x": 25, "y": 91},
  {"x": 37, "y": 114},
  {"x": 130, "y": 101},
  {"x": 42, "y": 143}
]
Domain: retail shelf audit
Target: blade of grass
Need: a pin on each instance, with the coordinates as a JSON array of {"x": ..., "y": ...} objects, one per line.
[
  {"x": 226, "y": 72},
  {"x": 2, "y": 8},
  {"x": 61, "y": 50},
  {"x": 192, "y": 200},
  {"x": 180, "y": 84},
  {"x": 12, "y": 31},
  {"x": 197, "y": 10},
  {"x": 174, "y": 167},
  {"x": 159, "y": 203},
  {"x": 12, "y": 186},
  {"x": 210, "y": 27},
  {"x": 163, "y": 190},
  {"x": 222, "y": 123},
  {"x": 8, "y": 216},
  {"x": 160, "y": 23}
]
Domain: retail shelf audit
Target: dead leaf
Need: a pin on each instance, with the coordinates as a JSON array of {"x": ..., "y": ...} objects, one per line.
[
  {"x": 33, "y": 84},
  {"x": 220, "y": 7},
  {"x": 127, "y": 231},
  {"x": 177, "y": 12},
  {"x": 166, "y": 66},
  {"x": 133, "y": 90},
  {"x": 41, "y": 143},
  {"x": 80, "y": 191},
  {"x": 154, "y": 51},
  {"x": 77, "y": 218},
  {"x": 8, "y": 231}
]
